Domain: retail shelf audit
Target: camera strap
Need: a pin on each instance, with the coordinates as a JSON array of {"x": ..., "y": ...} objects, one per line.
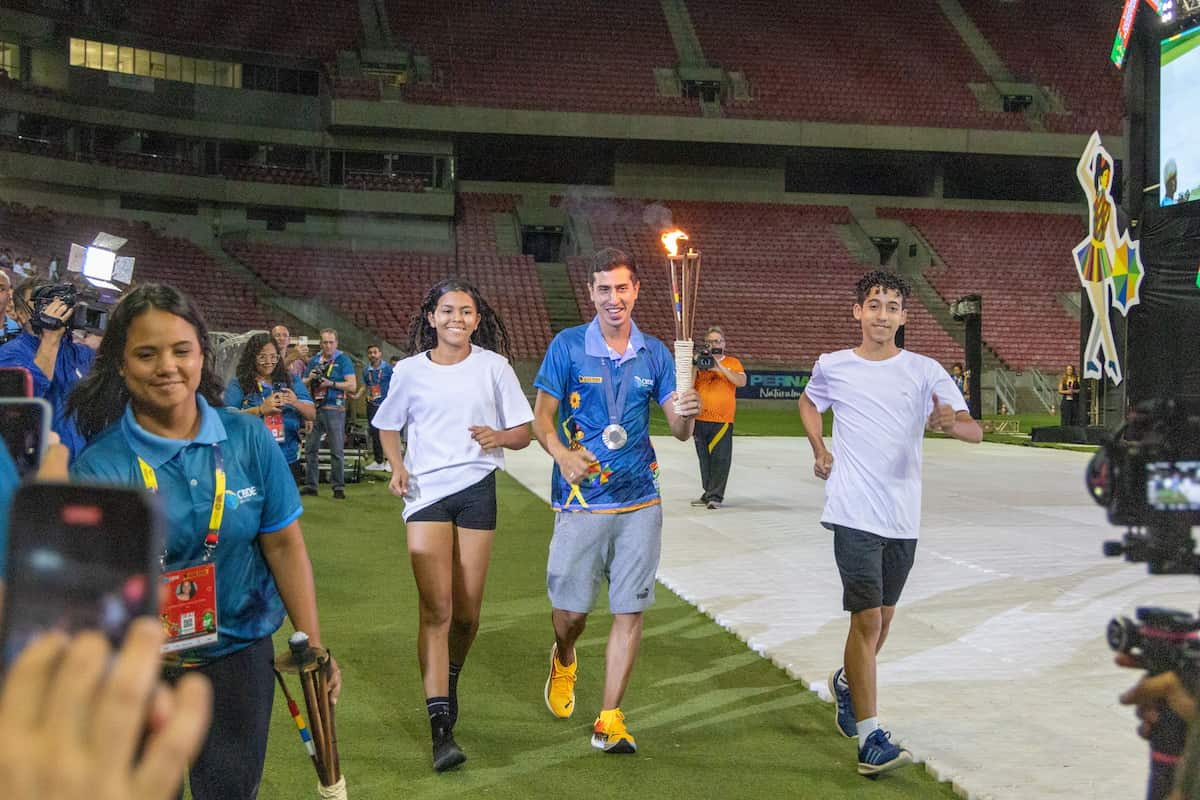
[{"x": 213, "y": 537}]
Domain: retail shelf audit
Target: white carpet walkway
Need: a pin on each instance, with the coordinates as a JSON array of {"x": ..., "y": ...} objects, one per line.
[{"x": 996, "y": 674}]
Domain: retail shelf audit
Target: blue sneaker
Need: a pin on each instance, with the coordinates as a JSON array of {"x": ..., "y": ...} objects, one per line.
[
  {"x": 844, "y": 716},
  {"x": 879, "y": 755}
]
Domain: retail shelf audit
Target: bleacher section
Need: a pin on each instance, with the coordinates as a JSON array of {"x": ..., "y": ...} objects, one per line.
[
  {"x": 228, "y": 300},
  {"x": 597, "y": 58},
  {"x": 775, "y": 277},
  {"x": 314, "y": 29},
  {"x": 844, "y": 62},
  {"x": 1019, "y": 263},
  {"x": 1066, "y": 50},
  {"x": 268, "y": 173}
]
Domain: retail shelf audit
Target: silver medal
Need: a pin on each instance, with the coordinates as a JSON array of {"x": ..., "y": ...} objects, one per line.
[{"x": 614, "y": 437}]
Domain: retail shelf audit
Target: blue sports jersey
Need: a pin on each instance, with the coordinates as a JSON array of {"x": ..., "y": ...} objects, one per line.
[
  {"x": 574, "y": 371},
  {"x": 337, "y": 369},
  {"x": 9, "y": 481},
  {"x": 260, "y": 498},
  {"x": 73, "y": 362},
  {"x": 377, "y": 380},
  {"x": 292, "y": 421}
]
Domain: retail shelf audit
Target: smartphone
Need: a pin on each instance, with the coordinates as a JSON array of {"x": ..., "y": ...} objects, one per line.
[
  {"x": 15, "y": 382},
  {"x": 79, "y": 558},
  {"x": 25, "y": 429}
]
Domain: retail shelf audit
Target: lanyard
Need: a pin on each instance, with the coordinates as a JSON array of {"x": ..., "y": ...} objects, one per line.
[
  {"x": 616, "y": 404},
  {"x": 213, "y": 537}
]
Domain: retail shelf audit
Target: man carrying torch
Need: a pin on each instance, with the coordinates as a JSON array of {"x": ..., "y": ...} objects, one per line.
[{"x": 599, "y": 379}]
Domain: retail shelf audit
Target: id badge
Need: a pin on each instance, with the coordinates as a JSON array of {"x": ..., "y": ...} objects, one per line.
[
  {"x": 189, "y": 606},
  {"x": 275, "y": 425},
  {"x": 375, "y": 391}
]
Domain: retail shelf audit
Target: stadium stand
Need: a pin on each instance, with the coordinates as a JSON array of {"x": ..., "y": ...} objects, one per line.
[
  {"x": 146, "y": 162},
  {"x": 378, "y": 182},
  {"x": 229, "y": 301},
  {"x": 775, "y": 277},
  {"x": 268, "y": 173},
  {"x": 601, "y": 61},
  {"x": 854, "y": 66},
  {"x": 307, "y": 28},
  {"x": 1019, "y": 263},
  {"x": 1066, "y": 52}
]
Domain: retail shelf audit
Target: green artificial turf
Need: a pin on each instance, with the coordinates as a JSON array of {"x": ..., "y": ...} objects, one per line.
[{"x": 712, "y": 719}]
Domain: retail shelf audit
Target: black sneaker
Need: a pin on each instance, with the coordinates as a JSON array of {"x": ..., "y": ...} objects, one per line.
[
  {"x": 338, "y": 494},
  {"x": 446, "y": 752},
  {"x": 308, "y": 491}
]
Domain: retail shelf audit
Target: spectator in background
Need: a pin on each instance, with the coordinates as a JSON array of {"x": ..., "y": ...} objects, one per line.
[
  {"x": 46, "y": 348},
  {"x": 11, "y": 328},
  {"x": 713, "y": 435},
  {"x": 1068, "y": 392},
  {"x": 282, "y": 337},
  {"x": 299, "y": 365},
  {"x": 962, "y": 379},
  {"x": 330, "y": 378},
  {"x": 23, "y": 267},
  {"x": 264, "y": 389},
  {"x": 377, "y": 376}
]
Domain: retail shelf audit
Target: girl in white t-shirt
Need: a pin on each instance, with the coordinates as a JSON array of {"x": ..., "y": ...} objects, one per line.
[{"x": 460, "y": 403}]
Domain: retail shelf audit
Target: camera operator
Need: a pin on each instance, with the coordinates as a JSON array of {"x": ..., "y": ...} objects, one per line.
[
  {"x": 46, "y": 348},
  {"x": 330, "y": 378},
  {"x": 717, "y": 380}
]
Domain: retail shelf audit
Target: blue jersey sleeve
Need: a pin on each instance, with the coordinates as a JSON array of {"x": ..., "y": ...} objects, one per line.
[
  {"x": 300, "y": 390},
  {"x": 18, "y": 353},
  {"x": 554, "y": 375},
  {"x": 233, "y": 394},
  {"x": 281, "y": 503},
  {"x": 344, "y": 366},
  {"x": 664, "y": 372}
]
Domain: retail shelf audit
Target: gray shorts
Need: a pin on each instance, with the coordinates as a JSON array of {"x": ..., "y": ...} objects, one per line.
[{"x": 590, "y": 548}]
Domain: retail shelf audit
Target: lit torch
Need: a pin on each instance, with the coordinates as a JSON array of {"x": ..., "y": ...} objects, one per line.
[{"x": 684, "y": 269}]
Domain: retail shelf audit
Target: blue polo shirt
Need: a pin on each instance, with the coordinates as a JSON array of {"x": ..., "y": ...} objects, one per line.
[
  {"x": 292, "y": 421},
  {"x": 377, "y": 380},
  {"x": 337, "y": 369},
  {"x": 574, "y": 371},
  {"x": 260, "y": 498},
  {"x": 9, "y": 481},
  {"x": 74, "y": 361}
]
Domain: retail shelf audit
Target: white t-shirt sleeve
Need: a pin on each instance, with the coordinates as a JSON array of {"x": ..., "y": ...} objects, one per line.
[
  {"x": 942, "y": 385},
  {"x": 817, "y": 389},
  {"x": 510, "y": 398},
  {"x": 393, "y": 411}
]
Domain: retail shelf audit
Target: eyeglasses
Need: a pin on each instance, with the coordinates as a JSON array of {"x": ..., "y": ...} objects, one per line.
[{"x": 266, "y": 359}]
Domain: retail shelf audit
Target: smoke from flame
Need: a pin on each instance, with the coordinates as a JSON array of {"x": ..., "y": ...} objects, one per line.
[{"x": 671, "y": 239}]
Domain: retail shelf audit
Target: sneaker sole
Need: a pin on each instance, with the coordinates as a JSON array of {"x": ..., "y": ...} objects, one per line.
[
  {"x": 450, "y": 761},
  {"x": 546, "y": 691},
  {"x": 831, "y": 683},
  {"x": 875, "y": 770},
  {"x": 621, "y": 748}
]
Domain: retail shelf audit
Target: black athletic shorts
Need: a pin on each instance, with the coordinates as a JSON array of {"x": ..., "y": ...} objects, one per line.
[
  {"x": 874, "y": 568},
  {"x": 473, "y": 507}
]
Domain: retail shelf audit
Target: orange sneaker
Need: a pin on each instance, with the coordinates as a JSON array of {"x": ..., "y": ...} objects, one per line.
[
  {"x": 560, "y": 686},
  {"x": 609, "y": 734}
]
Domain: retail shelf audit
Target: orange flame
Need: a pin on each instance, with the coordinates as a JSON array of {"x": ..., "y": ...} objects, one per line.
[{"x": 670, "y": 241}]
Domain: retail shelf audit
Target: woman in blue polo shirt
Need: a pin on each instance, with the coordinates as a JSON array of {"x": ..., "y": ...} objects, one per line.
[
  {"x": 263, "y": 388},
  {"x": 152, "y": 413}
]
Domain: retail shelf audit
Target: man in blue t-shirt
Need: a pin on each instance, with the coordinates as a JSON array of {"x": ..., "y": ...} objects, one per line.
[
  {"x": 9, "y": 327},
  {"x": 377, "y": 376},
  {"x": 55, "y": 361},
  {"x": 330, "y": 378},
  {"x": 595, "y": 387}
]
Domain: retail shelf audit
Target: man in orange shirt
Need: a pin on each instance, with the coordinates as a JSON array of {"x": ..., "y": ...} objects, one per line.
[{"x": 717, "y": 386}]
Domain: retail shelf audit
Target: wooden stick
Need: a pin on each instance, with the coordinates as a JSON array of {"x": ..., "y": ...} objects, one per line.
[
  {"x": 318, "y": 725},
  {"x": 695, "y": 288},
  {"x": 337, "y": 761},
  {"x": 326, "y": 717}
]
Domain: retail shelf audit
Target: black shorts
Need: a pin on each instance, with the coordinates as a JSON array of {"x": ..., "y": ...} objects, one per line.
[
  {"x": 473, "y": 507},
  {"x": 874, "y": 568}
]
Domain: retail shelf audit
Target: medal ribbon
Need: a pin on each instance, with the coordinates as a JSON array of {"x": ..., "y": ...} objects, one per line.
[{"x": 617, "y": 403}]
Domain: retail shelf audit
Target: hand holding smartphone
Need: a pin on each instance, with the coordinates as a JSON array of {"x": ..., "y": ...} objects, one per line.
[{"x": 25, "y": 430}]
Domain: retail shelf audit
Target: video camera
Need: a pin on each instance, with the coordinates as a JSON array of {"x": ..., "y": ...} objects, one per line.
[
  {"x": 706, "y": 357},
  {"x": 91, "y": 308},
  {"x": 1148, "y": 479}
]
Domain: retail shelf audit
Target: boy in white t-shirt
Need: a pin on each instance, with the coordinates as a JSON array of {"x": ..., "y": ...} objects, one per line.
[{"x": 882, "y": 398}]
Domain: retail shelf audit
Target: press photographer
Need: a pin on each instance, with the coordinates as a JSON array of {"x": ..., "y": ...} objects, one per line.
[
  {"x": 718, "y": 377},
  {"x": 47, "y": 313},
  {"x": 1148, "y": 479}
]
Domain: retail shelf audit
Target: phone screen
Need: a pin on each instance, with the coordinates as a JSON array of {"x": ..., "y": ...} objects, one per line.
[
  {"x": 24, "y": 427},
  {"x": 15, "y": 382},
  {"x": 79, "y": 558}
]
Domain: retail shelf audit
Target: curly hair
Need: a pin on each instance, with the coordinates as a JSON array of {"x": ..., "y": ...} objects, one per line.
[
  {"x": 247, "y": 368},
  {"x": 99, "y": 399},
  {"x": 491, "y": 333},
  {"x": 885, "y": 281}
]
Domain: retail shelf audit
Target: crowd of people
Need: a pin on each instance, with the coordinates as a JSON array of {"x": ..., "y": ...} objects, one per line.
[{"x": 145, "y": 409}]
